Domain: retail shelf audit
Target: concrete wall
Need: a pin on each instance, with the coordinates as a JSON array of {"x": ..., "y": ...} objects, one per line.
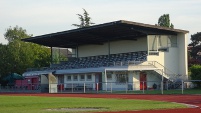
[
  {"x": 136, "y": 80},
  {"x": 89, "y": 83},
  {"x": 171, "y": 59},
  {"x": 175, "y": 59},
  {"x": 115, "y": 47},
  {"x": 153, "y": 77},
  {"x": 128, "y": 46},
  {"x": 182, "y": 57}
]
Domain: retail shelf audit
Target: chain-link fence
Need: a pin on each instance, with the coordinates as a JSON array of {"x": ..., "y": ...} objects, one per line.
[{"x": 144, "y": 87}]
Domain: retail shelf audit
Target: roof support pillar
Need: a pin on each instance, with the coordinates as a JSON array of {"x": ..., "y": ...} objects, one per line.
[
  {"x": 51, "y": 56},
  {"x": 77, "y": 52},
  {"x": 109, "y": 49}
]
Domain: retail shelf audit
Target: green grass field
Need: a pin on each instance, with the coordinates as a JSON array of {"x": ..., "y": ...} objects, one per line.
[{"x": 31, "y": 104}]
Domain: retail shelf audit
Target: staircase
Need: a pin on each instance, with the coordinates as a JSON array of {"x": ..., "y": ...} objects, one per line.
[{"x": 157, "y": 67}]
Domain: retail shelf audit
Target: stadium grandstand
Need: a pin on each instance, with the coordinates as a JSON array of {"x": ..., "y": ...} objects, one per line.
[{"x": 122, "y": 52}]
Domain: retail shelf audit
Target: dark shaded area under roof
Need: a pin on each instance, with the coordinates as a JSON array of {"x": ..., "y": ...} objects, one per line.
[{"x": 99, "y": 34}]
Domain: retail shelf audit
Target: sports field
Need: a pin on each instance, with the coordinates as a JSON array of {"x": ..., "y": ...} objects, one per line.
[{"x": 77, "y": 103}]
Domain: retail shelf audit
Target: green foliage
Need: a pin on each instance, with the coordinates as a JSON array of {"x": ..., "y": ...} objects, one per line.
[
  {"x": 85, "y": 20},
  {"x": 196, "y": 74},
  {"x": 196, "y": 45},
  {"x": 15, "y": 33},
  {"x": 164, "y": 21},
  {"x": 58, "y": 56},
  {"x": 18, "y": 56},
  {"x": 30, "y": 104}
]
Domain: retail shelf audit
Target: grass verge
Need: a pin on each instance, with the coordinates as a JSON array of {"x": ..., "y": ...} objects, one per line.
[{"x": 31, "y": 104}]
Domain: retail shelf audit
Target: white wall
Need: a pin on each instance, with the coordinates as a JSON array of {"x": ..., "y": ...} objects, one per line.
[
  {"x": 128, "y": 46},
  {"x": 183, "y": 62},
  {"x": 44, "y": 79},
  {"x": 175, "y": 59},
  {"x": 152, "y": 78},
  {"x": 115, "y": 47},
  {"x": 159, "y": 58},
  {"x": 93, "y": 50},
  {"x": 136, "y": 80},
  {"x": 68, "y": 84},
  {"x": 171, "y": 59}
]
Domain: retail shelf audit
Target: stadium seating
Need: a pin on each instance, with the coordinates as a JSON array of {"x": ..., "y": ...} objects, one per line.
[{"x": 102, "y": 60}]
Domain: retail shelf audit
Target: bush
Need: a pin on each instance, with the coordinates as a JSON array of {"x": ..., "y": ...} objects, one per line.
[{"x": 196, "y": 74}]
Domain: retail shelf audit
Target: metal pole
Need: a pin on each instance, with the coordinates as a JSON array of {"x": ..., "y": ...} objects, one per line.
[
  {"x": 126, "y": 87},
  {"x": 50, "y": 89},
  {"x": 72, "y": 87},
  {"x": 84, "y": 87},
  {"x": 51, "y": 56},
  {"x": 105, "y": 80},
  {"x": 143, "y": 87},
  {"x": 97, "y": 87},
  {"x": 182, "y": 87},
  {"x": 111, "y": 87},
  {"x": 109, "y": 49},
  {"x": 167, "y": 85},
  {"x": 161, "y": 87},
  {"x": 162, "y": 83},
  {"x": 61, "y": 88}
]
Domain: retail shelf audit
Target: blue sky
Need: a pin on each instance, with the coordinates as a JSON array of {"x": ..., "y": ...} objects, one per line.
[{"x": 40, "y": 17}]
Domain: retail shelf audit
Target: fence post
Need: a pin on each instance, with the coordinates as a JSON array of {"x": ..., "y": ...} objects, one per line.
[
  {"x": 111, "y": 87},
  {"x": 143, "y": 87},
  {"x": 97, "y": 85},
  {"x": 72, "y": 87},
  {"x": 161, "y": 87},
  {"x": 61, "y": 88},
  {"x": 7, "y": 88},
  {"x": 84, "y": 87},
  {"x": 106, "y": 86},
  {"x": 167, "y": 84},
  {"x": 126, "y": 87},
  {"x": 182, "y": 87},
  {"x": 50, "y": 89}
]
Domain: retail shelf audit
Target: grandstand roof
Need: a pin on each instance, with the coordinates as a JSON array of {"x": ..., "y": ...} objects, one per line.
[{"x": 99, "y": 34}]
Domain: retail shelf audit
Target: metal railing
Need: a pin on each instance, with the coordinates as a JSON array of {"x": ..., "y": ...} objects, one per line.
[{"x": 143, "y": 87}]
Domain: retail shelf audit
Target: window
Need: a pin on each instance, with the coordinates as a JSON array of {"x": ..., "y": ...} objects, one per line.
[
  {"x": 69, "y": 78},
  {"x": 82, "y": 77},
  {"x": 75, "y": 78},
  {"x": 89, "y": 78},
  {"x": 109, "y": 76},
  {"x": 121, "y": 78},
  {"x": 61, "y": 79}
]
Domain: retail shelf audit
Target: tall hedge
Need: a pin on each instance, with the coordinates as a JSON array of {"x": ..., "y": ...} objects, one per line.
[{"x": 196, "y": 74}]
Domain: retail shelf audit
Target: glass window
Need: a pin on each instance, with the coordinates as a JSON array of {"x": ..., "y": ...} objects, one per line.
[
  {"x": 121, "y": 78},
  {"x": 82, "y": 77},
  {"x": 109, "y": 76},
  {"x": 89, "y": 78},
  {"x": 69, "y": 78},
  {"x": 75, "y": 78}
]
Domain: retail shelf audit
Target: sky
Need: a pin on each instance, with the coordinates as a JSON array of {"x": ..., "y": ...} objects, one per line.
[{"x": 41, "y": 17}]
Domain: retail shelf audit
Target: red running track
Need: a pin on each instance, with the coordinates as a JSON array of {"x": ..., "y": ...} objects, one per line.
[{"x": 186, "y": 99}]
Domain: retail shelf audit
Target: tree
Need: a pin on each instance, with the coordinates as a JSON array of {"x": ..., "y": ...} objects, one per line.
[
  {"x": 15, "y": 33},
  {"x": 17, "y": 56},
  {"x": 196, "y": 45},
  {"x": 85, "y": 20},
  {"x": 164, "y": 21},
  {"x": 196, "y": 74}
]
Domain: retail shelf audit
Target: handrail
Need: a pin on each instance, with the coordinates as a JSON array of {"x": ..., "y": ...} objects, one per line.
[
  {"x": 165, "y": 69},
  {"x": 166, "y": 72}
]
